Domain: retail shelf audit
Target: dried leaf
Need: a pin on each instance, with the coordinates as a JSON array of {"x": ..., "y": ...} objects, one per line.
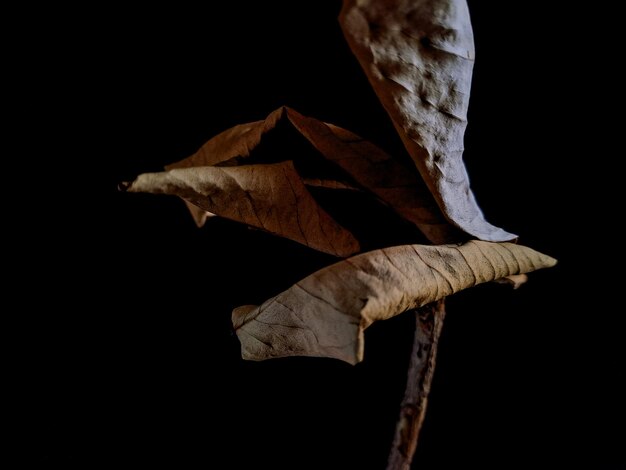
[
  {"x": 325, "y": 313},
  {"x": 269, "y": 197},
  {"x": 361, "y": 162},
  {"x": 418, "y": 56},
  {"x": 200, "y": 216}
]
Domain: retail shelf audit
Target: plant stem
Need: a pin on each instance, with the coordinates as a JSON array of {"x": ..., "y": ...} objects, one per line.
[{"x": 428, "y": 324}]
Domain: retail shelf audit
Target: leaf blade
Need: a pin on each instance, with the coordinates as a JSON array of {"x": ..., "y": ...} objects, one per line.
[
  {"x": 332, "y": 307},
  {"x": 418, "y": 56},
  {"x": 269, "y": 197}
]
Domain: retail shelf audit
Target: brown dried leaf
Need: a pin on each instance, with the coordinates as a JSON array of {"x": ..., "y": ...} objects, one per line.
[
  {"x": 361, "y": 162},
  {"x": 325, "y": 314},
  {"x": 418, "y": 56},
  {"x": 269, "y": 197}
]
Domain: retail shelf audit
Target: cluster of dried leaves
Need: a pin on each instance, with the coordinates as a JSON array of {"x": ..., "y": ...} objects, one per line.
[
  {"x": 290, "y": 175},
  {"x": 282, "y": 174}
]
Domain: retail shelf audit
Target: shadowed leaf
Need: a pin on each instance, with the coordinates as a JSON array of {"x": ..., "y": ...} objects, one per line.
[{"x": 352, "y": 161}]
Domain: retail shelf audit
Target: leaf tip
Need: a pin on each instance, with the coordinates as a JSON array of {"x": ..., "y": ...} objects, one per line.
[{"x": 549, "y": 261}]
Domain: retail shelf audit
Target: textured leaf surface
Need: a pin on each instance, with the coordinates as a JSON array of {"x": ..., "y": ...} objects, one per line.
[
  {"x": 270, "y": 197},
  {"x": 418, "y": 56},
  {"x": 325, "y": 313}
]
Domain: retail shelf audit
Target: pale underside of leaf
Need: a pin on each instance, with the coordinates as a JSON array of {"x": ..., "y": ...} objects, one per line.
[
  {"x": 269, "y": 197},
  {"x": 325, "y": 314},
  {"x": 397, "y": 185},
  {"x": 418, "y": 56}
]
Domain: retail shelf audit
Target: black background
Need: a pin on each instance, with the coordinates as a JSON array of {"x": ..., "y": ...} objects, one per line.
[{"x": 128, "y": 345}]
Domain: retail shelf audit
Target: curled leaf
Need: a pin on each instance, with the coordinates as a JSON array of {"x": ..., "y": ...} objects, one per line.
[
  {"x": 348, "y": 158},
  {"x": 325, "y": 313},
  {"x": 269, "y": 197},
  {"x": 418, "y": 56}
]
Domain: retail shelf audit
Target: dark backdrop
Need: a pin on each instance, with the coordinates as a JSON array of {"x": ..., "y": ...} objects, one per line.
[{"x": 130, "y": 352}]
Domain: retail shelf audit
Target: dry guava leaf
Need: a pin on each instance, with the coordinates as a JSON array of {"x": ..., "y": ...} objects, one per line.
[
  {"x": 270, "y": 197},
  {"x": 352, "y": 161},
  {"x": 324, "y": 314},
  {"x": 418, "y": 56}
]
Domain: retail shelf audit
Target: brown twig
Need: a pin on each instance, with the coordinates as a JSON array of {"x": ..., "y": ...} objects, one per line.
[{"x": 428, "y": 324}]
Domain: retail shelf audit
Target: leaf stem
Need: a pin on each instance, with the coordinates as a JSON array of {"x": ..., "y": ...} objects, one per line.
[{"x": 428, "y": 324}]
